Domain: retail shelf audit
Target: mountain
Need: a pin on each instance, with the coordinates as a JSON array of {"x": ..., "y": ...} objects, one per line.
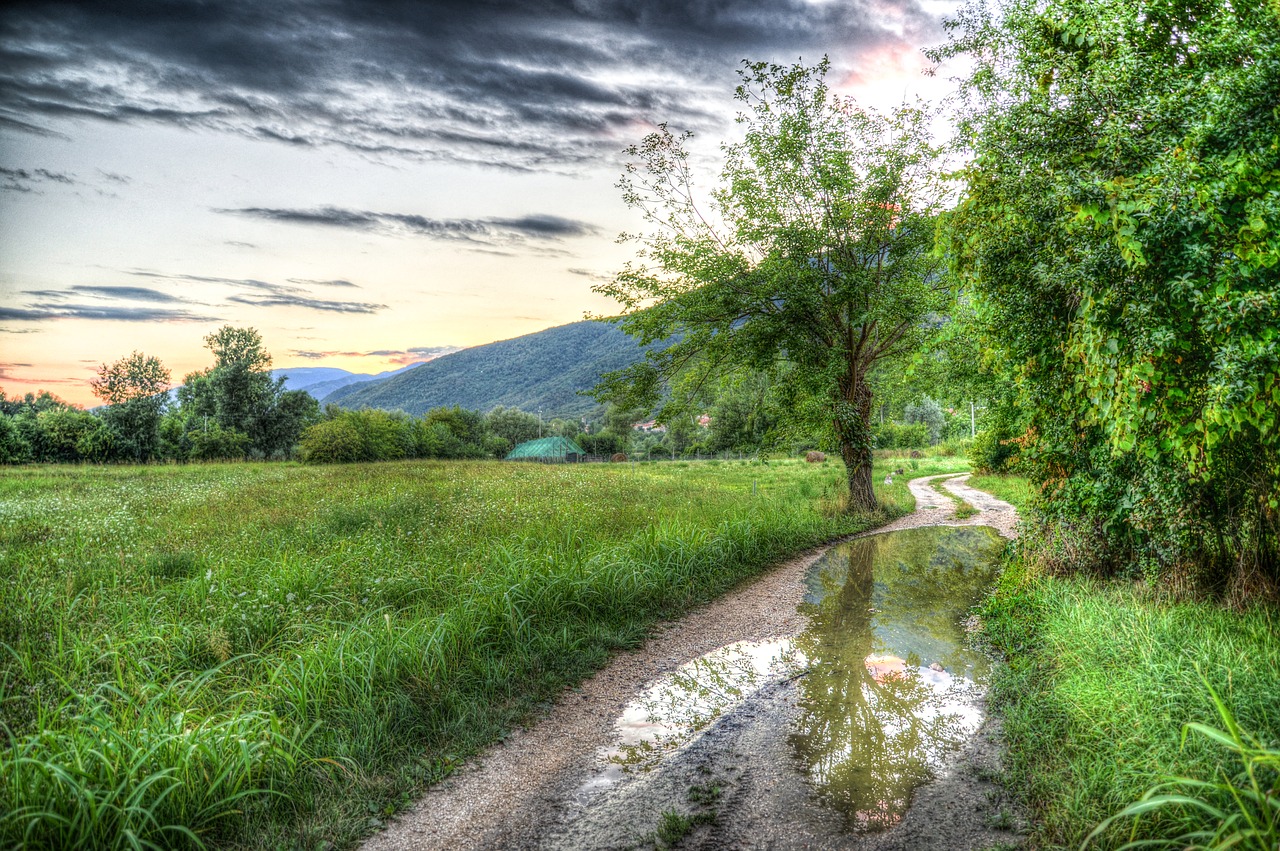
[
  {"x": 541, "y": 370},
  {"x": 320, "y": 381}
]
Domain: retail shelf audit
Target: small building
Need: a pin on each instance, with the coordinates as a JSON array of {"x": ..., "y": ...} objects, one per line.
[{"x": 549, "y": 450}]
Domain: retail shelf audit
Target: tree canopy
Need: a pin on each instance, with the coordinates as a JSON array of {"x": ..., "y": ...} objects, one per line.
[
  {"x": 1119, "y": 227},
  {"x": 815, "y": 252}
]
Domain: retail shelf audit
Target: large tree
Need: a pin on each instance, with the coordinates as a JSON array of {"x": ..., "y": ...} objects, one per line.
[
  {"x": 815, "y": 251},
  {"x": 1121, "y": 228},
  {"x": 239, "y": 395},
  {"x": 135, "y": 389}
]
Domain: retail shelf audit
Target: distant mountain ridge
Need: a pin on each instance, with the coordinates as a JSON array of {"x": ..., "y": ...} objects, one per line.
[
  {"x": 320, "y": 381},
  {"x": 544, "y": 370}
]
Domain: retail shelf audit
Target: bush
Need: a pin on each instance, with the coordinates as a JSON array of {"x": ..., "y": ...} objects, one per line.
[
  {"x": 14, "y": 448},
  {"x": 993, "y": 450},
  {"x": 330, "y": 442},
  {"x": 893, "y": 435},
  {"x": 218, "y": 444},
  {"x": 929, "y": 414}
]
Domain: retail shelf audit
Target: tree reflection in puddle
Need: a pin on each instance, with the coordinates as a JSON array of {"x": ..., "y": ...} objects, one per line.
[
  {"x": 888, "y": 691},
  {"x": 891, "y": 688}
]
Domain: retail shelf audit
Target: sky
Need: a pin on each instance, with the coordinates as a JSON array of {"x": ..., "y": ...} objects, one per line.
[{"x": 365, "y": 183}]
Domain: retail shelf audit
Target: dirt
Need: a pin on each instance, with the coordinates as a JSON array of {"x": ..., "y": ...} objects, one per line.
[{"x": 735, "y": 786}]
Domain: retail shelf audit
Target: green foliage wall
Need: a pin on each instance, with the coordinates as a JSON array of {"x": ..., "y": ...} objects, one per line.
[{"x": 1121, "y": 230}]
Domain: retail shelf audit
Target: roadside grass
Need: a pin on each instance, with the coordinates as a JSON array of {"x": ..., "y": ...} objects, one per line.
[
  {"x": 896, "y": 495},
  {"x": 1099, "y": 682},
  {"x": 271, "y": 655},
  {"x": 1015, "y": 490}
]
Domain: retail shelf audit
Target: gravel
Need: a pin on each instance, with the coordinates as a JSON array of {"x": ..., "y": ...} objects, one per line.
[{"x": 526, "y": 792}]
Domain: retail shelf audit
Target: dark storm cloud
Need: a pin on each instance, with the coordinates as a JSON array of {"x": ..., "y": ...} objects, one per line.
[
  {"x": 488, "y": 232},
  {"x": 521, "y": 84}
]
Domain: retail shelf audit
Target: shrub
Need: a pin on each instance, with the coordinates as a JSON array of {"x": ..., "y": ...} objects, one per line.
[
  {"x": 898, "y": 436},
  {"x": 332, "y": 441},
  {"x": 14, "y": 448},
  {"x": 993, "y": 450},
  {"x": 929, "y": 414},
  {"x": 216, "y": 443}
]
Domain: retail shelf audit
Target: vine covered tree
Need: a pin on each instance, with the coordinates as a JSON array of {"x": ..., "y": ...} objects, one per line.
[{"x": 815, "y": 253}]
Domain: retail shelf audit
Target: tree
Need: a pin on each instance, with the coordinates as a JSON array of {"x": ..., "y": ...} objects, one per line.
[
  {"x": 135, "y": 389},
  {"x": 928, "y": 413},
  {"x": 239, "y": 395},
  {"x": 512, "y": 425},
  {"x": 1120, "y": 231},
  {"x": 815, "y": 251}
]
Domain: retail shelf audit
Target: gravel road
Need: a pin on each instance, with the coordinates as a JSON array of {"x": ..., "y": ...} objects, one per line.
[{"x": 534, "y": 789}]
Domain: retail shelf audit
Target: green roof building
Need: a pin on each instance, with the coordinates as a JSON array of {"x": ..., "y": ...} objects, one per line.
[{"x": 550, "y": 449}]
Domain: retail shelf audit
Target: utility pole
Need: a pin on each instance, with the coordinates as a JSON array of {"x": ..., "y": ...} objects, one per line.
[
  {"x": 973, "y": 421},
  {"x": 539, "y": 422}
]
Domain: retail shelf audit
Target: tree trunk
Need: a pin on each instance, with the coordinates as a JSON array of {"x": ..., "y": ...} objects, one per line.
[{"x": 853, "y": 430}]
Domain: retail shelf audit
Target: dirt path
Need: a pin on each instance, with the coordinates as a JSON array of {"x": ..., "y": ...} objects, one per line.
[{"x": 529, "y": 792}]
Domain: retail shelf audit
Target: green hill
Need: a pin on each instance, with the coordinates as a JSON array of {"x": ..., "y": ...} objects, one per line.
[{"x": 542, "y": 370}]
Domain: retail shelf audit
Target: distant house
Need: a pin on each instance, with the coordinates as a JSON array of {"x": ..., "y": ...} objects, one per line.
[
  {"x": 652, "y": 425},
  {"x": 548, "y": 450}
]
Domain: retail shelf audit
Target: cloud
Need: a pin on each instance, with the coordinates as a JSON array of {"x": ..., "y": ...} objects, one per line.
[
  {"x": 415, "y": 354},
  {"x": 25, "y": 180},
  {"x": 273, "y": 295},
  {"x": 288, "y": 300},
  {"x": 598, "y": 277},
  {"x": 42, "y": 312},
  {"x": 334, "y": 283},
  {"x": 56, "y": 304},
  {"x": 490, "y": 232},
  {"x": 506, "y": 83},
  {"x": 129, "y": 293}
]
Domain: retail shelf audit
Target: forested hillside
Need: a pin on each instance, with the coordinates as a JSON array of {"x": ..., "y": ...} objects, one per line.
[{"x": 543, "y": 371}]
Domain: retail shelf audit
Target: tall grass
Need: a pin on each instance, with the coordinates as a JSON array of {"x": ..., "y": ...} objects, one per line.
[
  {"x": 1238, "y": 808},
  {"x": 1100, "y": 683},
  {"x": 275, "y": 655}
]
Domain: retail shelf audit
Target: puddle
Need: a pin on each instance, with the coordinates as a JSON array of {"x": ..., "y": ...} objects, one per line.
[
  {"x": 886, "y": 688},
  {"x": 891, "y": 689}
]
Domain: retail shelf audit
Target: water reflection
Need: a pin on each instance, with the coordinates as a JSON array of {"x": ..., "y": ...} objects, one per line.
[
  {"x": 891, "y": 687},
  {"x": 888, "y": 687},
  {"x": 678, "y": 706}
]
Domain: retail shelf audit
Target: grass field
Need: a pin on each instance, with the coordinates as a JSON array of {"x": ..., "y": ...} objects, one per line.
[
  {"x": 1101, "y": 678},
  {"x": 261, "y": 656}
]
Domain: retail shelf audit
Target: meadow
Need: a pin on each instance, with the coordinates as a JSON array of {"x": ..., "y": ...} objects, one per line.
[{"x": 275, "y": 655}]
